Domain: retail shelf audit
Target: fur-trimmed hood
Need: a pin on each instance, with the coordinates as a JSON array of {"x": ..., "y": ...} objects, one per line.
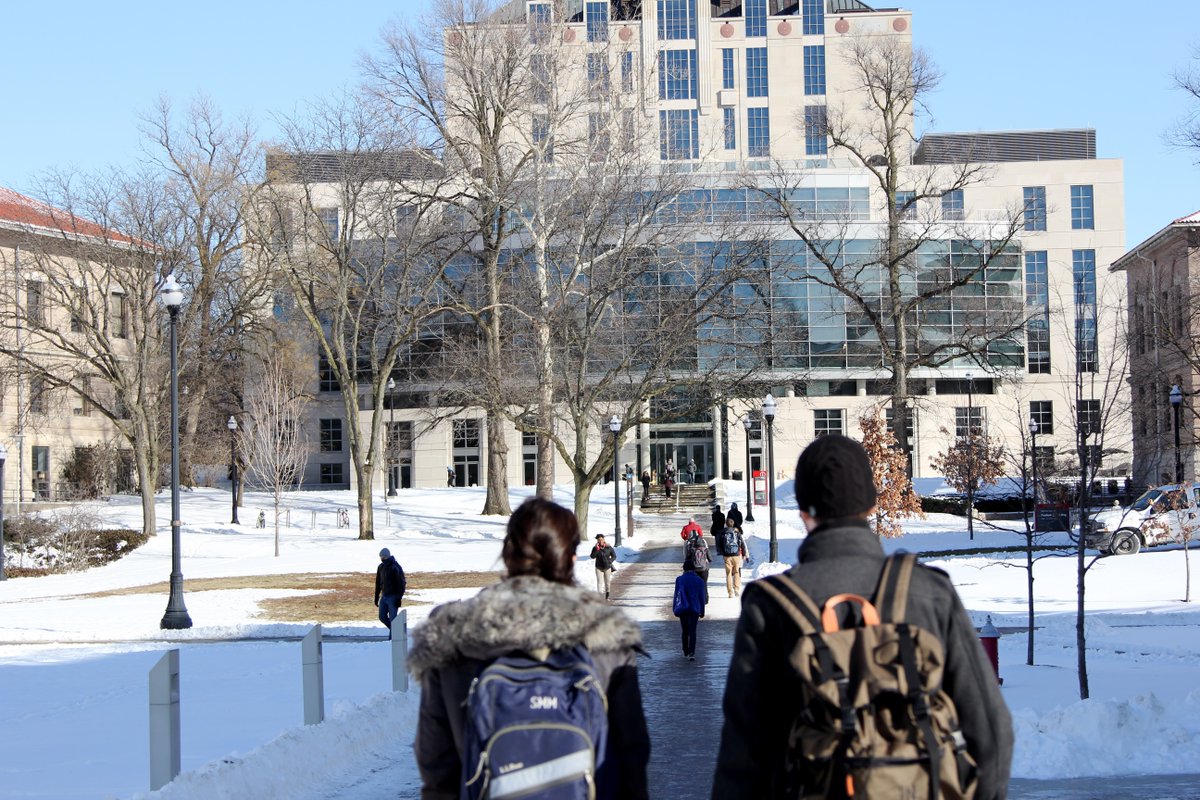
[{"x": 522, "y": 613}]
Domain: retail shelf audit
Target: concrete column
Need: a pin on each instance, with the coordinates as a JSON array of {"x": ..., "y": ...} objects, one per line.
[
  {"x": 164, "y": 720},
  {"x": 314, "y": 677},
  {"x": 400, "y": 652}
]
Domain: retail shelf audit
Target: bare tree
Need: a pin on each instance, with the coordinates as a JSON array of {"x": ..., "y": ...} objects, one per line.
[
  {"x": 272, "y": 439},
  {"x": 1186, "y": 132},
  {"x": 363, "y": 273},
  {"x": 925, "y": 262}
]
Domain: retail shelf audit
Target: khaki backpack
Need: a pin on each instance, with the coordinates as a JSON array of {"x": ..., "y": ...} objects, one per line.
[{"x": 874, "y": 721}]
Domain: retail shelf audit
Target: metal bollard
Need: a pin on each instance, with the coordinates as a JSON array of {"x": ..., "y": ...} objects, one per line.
[
  {"x": 989, "y": 637},
  {"x": 400, "y": 652},
  {"x": 314, "y": 678},
  {"x": 164, "y": 720}
]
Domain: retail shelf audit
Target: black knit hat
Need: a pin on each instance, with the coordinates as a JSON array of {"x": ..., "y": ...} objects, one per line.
[{"x": 833, "y": 478}]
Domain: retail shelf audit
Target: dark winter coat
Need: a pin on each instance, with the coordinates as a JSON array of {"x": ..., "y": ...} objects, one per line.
[
  {"x": 848, "y": 558},
  {"x": 605, "y": 556},
  {"x": 734, "y": 517},
  {"x": 718, "y": 521},
  {"x": 389, "y": 578},
  {"x": 689, "y": 594},
  {"x": 525, "y": 613}
]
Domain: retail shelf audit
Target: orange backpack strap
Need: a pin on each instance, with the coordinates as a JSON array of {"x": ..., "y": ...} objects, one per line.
[
  {"x": 891, "y": 595},
  {"x": 829, "y": 620}
]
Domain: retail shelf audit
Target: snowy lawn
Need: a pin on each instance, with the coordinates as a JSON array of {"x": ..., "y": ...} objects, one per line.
[{"x": 73, "y": 669}]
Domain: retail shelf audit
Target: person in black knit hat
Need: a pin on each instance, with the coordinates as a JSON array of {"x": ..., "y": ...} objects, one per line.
[{"x": 836, "y": 496}]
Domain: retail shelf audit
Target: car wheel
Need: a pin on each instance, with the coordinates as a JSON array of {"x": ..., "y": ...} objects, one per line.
[{"x": 1126, "y": 543}]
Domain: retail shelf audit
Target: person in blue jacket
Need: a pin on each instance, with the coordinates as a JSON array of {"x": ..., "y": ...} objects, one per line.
[{"x": 689, "y": 606}]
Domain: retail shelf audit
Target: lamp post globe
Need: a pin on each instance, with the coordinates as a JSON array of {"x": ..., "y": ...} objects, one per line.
[
  {"x": 768, "y": 412},
  {"x": 614, "y": 425},
  {"x": 176, "y": 616},
  {"x": 748, "y": 424},
  {"x": 3, "y": 458},
  {"x": 392, "y": 478},
  {"x": 1177, "y": 401},
  {"x": 233, "y": 466}
]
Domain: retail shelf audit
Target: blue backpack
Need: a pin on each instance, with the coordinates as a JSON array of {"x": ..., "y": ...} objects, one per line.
[{"x": 536, "y": 729}]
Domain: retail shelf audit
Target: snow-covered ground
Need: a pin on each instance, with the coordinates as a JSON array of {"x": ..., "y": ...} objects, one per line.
[{"x": 74, "y": 666}]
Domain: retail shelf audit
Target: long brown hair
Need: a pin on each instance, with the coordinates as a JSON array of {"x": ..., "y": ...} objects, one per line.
[{"x": 542, "y": 539}]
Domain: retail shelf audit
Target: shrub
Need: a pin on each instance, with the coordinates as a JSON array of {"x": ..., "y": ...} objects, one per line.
[
  {"x": 38, "y": 544},
  {"x": 944, "y": 504}
]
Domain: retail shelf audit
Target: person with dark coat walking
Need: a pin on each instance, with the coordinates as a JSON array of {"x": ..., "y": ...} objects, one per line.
[
  {"x": 389, "y": 587},
  {"x": 537, "y": 607},
  {"x": 689, "y": 606},
  {"x": 606, "y": 559},
  {"x": 645, "y": 486},
  {"x": 734, "y": 517},
  {"x": 841, "y": 554}
]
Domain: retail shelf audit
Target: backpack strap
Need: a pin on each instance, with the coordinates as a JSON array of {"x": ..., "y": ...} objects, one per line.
[
  {"x": 891, "y": 594},
  {"x": 798, "y": 605}
]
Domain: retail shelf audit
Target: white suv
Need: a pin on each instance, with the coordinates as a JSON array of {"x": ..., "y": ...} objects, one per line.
[{"x": 1160, "y": 516}]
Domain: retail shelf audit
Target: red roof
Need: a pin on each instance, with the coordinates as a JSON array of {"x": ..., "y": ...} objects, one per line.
[{"x": 21, "y": 210}]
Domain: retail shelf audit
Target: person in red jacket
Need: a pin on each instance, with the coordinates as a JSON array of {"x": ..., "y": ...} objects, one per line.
[{"x": 691, "y": 527}]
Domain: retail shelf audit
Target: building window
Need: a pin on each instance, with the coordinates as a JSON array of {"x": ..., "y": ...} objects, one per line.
[
  {"x": 37, "y": 394},
  {"x": 1037, "y": 280},
  {"x": 596, "y": 18},
  {"x": 598, "y": 75},
  {"x": 1035, "y": 208},
  {"x": 968, "y": 419},
  {"x": 827, "y": 420},
  {"x": 326, "y": 378},
  {"x": 814, "y": 17},
  {"x": 676, "y": 19},
  {"x": 1082, "y": 212},
  {"x": 678, "y": 134},
  {"x": 118, "y": 318},
  {"x": 328, "y": 217},
  {"x": 952, "y": 205},
  {"x": 466, "y": 433},
  {"x": 331, "y": 435},
  {"x": 1087, "y": 417},
  {"x": 815, "y": 126},
  {"x": 755, "y": 13},
  {"x": 598, "y": 138},
  {"x": 627, "y": 72},
  {"x": 332, "y": 474},
  {"x": 1037, "y": 346},
  {"x": 1042, "y": 411},
  {"x": 539, "y": 71},
  {"x": 677, "y": 75},
  {"x": 35, "y": 303},
  {"x": 543, "y": 140},
  {"x": 727, "y": 68},
  {"x": 1083, "y": 265},
  {"x": 906, "y": 205},
  {"x": 756, "y": 72},
  {"x": 1086, "y": 355},
  {"x": 889, "y": 414},
  {"x": 814, "y": 69},
  {"x": 730, "y": 128},
  {"x": 758, "y": 132}
]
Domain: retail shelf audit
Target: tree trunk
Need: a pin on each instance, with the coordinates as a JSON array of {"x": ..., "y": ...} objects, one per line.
[
  {"x": 496, "y": 501},
  {"x": 276, "y": 524},
  {"x": 583, "y": 496},
  {"x": 1029, "y": 594},
  {"x": 545, "y": 375},
  {"x": 1080, "y": 633},
  {"x": 366, "y": 518}
]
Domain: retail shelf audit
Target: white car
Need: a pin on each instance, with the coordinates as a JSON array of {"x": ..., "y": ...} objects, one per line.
[{"x": 1163, "y": 515}]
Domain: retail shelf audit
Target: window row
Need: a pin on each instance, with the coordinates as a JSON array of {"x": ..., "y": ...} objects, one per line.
[
  {"x": 1083, "y": 212},
  {"x": 115, "y": 321}
]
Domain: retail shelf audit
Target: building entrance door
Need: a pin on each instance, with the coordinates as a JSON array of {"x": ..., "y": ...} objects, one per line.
[{"x": 680, "y": 452}]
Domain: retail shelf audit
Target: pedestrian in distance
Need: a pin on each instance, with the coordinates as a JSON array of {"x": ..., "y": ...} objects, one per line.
[
  {"x": 389, "y": 587},
  {"x": 910, "y": 658},
  {"x": 692, "y": 527},
  {"x": 450, "y": 477},
  {"x": 732, "y": 547},
  {"x": 734, "y": 516},
  {"x": 698, "y": 554},
  {"x": 688, "y": 606},
  {"x": 691, "y": 470},
  {"x": 539, "y": 611},
  {"x": 668, "y": 485},
  {"x": 606, "y": 563},
  {"x": 718, "y": 521},
  {"x": 645, "y": 486}
]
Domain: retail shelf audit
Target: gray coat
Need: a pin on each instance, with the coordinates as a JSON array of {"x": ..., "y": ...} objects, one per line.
[
  {"x": 848, "y": 558},
  {"x": 525, "y": 613}
]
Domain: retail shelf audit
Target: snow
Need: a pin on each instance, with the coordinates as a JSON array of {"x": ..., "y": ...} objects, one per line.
[{"x": 74, "y": 665}]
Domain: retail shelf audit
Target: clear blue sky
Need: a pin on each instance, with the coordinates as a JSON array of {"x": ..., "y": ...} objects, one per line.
[{"x": 76, "y": 75}]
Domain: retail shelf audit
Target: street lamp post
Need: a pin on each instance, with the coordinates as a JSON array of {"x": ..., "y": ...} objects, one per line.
[
  {"x": 748, "y": 424},
  {"x": 390, "y": 438},
  {"x": 233, "y": 468},
  {"x": 3, "y": 457},
  {"x": 970, "y": 456},
  {"x": 176, "y": 616},
  {"x": 1176, "y": 402},
  {"x": 1033, "y": 432},
  {"x": 614, "y": 425},
  {"x": 768, "y": 412}
]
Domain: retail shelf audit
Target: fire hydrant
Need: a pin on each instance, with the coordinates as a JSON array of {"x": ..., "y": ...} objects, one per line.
[{"x": 989, "y": 637}]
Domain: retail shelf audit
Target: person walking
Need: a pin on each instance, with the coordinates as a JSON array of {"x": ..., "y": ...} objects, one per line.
[
  {"x": 691, "y": 470},
  {"x": 734, "y": 517},
  {"x": 536, "y": 608},
  {"x": 606, "y": 559},
  {"x": 692, "y": 527},
  {"x": 841, "y": 555},
  {"x": 688, "y": 606},
  {"x": 645, "y": 486},
  {"x": 389, "y": 587},
  {"x": 718, "y": 522},
  {"x": 450, "y": 477},
  {"x": 733, "y": 549},
  {"x": 698, "y": 554}
]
